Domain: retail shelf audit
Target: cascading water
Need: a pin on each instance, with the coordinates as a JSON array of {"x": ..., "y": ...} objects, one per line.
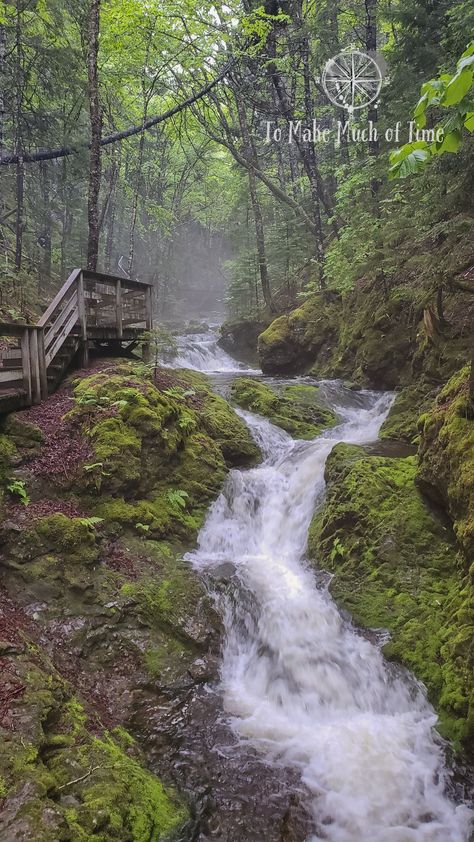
[
  {"x": 200, "y": 351},
  {"x": 299, "y": 682}
]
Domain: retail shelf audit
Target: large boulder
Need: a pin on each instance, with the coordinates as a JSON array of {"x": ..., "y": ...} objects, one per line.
[
  {"x": 295, "y": 409},
  {"x": 446, "y": 457},
  {"x": 293, "y": 342},
  {"x": 240, "y": 337}
]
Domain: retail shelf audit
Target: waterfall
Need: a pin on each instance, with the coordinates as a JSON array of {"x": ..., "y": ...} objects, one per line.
[
  {"x": 201, "y": 352},
  {"x": 299, "y": 682}
]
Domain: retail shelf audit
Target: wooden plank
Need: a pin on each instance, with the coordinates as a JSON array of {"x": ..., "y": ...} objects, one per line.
[
  {"x": 73, "y": 277},
  {"x": 60, "y": 339},
  {"x": 83, "y": 320},
  {"x": 26, "y": 364},
  {"x": 11, "y": 375},
  {"x": 35, "y": 368},
  {"x": 43, "y": 374},
  {"x": 10, "y": 354},
  {"x": 51, "y": 332},
  {"x": 149, "y": 308},
  {"x": 100, "y": 276},
  {"x": 11, "y": 329},
  {"x": 119, "y": 309}
]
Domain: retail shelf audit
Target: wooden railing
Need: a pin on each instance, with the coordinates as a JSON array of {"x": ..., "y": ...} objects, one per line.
[
  {"x": 19, "y": 371},
  {"x": 89, "y": 307}
]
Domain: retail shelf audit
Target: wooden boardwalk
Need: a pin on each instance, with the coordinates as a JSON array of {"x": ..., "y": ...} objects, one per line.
[{"x": 90, "y": 309}]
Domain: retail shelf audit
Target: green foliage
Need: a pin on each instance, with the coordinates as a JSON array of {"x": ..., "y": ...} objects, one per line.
[
  {"x": 257, "y": 27},
  {"x": 17, "y": 488},
  {"x": 178, "y": 497},
  {"x": 453, "y": 91},
  {"x": 397, "y": 567},
  {"x": 90, "y": 521}
]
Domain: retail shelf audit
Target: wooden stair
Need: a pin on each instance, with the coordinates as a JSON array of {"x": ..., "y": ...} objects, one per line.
[{"x": 91, "y": 308}]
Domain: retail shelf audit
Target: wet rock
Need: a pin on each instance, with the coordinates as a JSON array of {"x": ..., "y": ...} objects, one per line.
[{"x": 396, "y": 566}]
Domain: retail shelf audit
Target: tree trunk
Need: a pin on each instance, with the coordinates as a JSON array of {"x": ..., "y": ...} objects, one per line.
[
  {"x": 114, "y": 173},
  {"x": 20, "y": 170},
  {"x": 256, "y": 208},
  {"x": 371, "y": 49},
  {"x": 95, "y": 113},
  {"x": 45, "y": 234},
  {"x": 3, "y": 83},
  {"x": 20, "y": 181},
  {"x": 260, "y": 238}
]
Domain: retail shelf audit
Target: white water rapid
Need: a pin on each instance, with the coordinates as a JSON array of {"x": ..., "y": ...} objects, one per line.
[
  {"x": 201, "y": 352},
  {"x": 299, "y": 682}
]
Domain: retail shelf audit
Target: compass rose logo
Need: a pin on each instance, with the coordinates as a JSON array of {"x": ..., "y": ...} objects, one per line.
[{"x": 352, "y": 80}]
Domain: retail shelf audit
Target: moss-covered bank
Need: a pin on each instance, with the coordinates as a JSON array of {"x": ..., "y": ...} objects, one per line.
[
  {"x": 446, "y": 465},
  {"x": 59, "y": 781},
  {"x": 109, "y": 482},
  {"x": 384, "y": 339},
  {"x": 397, "y": 566},
  {"x": 294, "y": 409}
]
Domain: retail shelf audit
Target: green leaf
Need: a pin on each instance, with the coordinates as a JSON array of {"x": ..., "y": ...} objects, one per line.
[
  {"x": 458, "y": 87},
  {"x": 469, "y": 51},
  {"x": 450, "y": 143},
  {"x": 413, "y": 162},
  {"x": 465, "y": 62},
  {"x": 469, "y": 121}
]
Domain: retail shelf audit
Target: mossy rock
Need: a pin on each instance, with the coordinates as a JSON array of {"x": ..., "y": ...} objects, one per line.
[
  {"x": 24, "y": 435},
  {"x": 294, "y": 411},
  {"x": 401, "y": 423},
  {"x": 140, "y": 433},
  {"x": 7, "y": 456},
  {"x": 220, "y": 422},
  {"x": 397, "y": 567},
  {"x": 292, "y": 342},
  {"x": 60, "y": 781},
  {"x": 71, "y": 538},
  {"x": 446, "y": 457}
]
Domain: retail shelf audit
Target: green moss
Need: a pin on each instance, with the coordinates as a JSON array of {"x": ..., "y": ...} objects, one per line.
[
  {"x": 24, "y": 435},
  {"x": 294, "y": 411},
  {"x": 446, "y": 464},
  {"x": 68, "y": 537},
  {"x": 395, "y": 566},
  {"x": 7, "y": 453},
  {"x": 220, "y": 422},
  {"x": 293, "y": 342},
  {"x": 163, "y": 658},
  {"x": 401, "y": 423},
  {"x": 119, "y": 799},
  {"x": 163, "y": 602},
  {"x": 114, "y": 797},
  {"x": 302, "y": 393}
]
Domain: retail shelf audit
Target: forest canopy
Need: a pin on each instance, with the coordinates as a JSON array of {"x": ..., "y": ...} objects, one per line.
[{"x": 135, "y": 138}]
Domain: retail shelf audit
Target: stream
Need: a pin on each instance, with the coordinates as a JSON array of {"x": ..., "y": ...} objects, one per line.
[{"x": 301, "y": 686}]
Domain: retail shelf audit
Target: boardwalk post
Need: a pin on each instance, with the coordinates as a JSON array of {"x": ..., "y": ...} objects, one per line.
[
  {"x": 119, "y": 308},
  {"x": 26, "y": 364},
  {"x": 90, "y": 306},
  {"x": 35, "y": 366},
  {"x": 148, "y": 322},
  {"x": 43, "y": 374},
  {"x": 81, "y": 303}
]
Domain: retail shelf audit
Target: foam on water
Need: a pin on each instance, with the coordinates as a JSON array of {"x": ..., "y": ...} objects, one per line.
[
  {"x": 299, "y": 682},
  {"x": 201, "y": 352}
]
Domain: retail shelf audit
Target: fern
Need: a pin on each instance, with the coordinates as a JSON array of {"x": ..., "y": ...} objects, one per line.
[
  {"x": 17, "y": 487},
  {"x": 142, "y": 527},
  {"x": 178, "y": 498},
  {"x": 91, "y": 521}
]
